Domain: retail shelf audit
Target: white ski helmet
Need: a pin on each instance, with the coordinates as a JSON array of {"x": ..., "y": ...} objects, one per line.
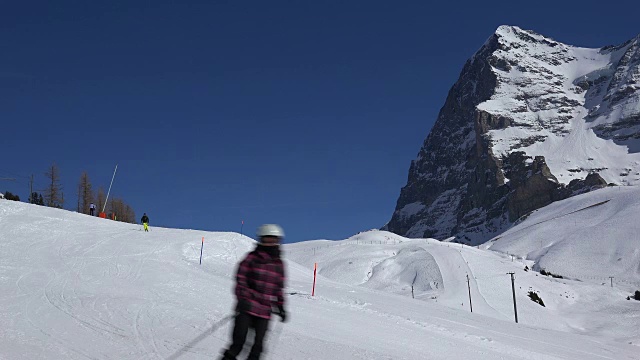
[{"x": 270, "y": 230}]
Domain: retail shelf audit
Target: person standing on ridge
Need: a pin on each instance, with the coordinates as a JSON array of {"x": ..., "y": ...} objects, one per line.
[
  {"x": 92, "y": 209},
  {"x": 259, "y": 282},
  {"x": 145, "y": 221}
]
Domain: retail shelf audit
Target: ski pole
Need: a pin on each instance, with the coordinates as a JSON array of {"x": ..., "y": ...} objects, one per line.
[{"x": 201, "y": 337}]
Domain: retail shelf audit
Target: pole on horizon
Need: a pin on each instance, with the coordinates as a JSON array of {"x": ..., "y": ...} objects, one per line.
[
  {"x": 107, "y": 199},
  {"x": 313, "y": 289},
  {"x": 241, "y": 226},
  {"x": 513, "y": 289},
  {"x": 201, "y": 247}
]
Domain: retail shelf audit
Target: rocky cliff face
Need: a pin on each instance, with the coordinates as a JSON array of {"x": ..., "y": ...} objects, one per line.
[{"x": 530, "y": 121}]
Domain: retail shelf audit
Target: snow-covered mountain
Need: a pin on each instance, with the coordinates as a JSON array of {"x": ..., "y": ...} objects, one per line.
[
  {"x": 530, "y": 121},
  {"x": 78, "y": 287}
]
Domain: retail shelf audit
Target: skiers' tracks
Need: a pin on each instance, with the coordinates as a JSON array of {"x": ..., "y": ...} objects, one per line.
[
  {"x": 62, "y": 290},
  {"x": 139, "y": 334},
  {"x": 476, "y": 338}
]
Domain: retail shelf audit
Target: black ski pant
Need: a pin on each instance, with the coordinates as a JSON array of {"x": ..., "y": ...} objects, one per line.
[{"x": 242, "y": 324}]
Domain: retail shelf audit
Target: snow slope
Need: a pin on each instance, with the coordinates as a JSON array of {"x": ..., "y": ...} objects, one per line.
[
  {"x": 593, "y": 235},
  {"x": 77, "y": 287}
]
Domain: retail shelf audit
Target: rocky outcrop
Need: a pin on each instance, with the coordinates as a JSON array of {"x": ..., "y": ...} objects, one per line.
[{"x": 502, "y": 143}]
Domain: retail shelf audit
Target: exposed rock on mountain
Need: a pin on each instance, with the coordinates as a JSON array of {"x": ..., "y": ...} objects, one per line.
[{"x": 530, "y": 121}]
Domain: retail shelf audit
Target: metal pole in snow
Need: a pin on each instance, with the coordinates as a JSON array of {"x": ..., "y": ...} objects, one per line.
[
  {"x": 513, "y": 289},
  {"x": 241, "y": 226},
  {"x": 201, "y": 247},
  {"x": 313, "y": 290},
  {"x": 469, "y": 286},
  {"x": 413, "y": 282},
  {"x": 107, "y": 200}
]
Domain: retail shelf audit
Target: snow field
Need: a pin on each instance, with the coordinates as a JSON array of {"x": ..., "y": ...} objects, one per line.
[{"x": 76, "y": 287}]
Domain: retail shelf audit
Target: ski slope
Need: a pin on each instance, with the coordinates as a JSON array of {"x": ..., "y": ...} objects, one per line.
[{"x": 80, "y": 287}]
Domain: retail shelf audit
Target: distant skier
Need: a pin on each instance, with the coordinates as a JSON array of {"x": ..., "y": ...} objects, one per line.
[
  {"x": 92, "y": 209},
  {"x": 259, "y": 283},
  {"x": 145, "y": 221}
]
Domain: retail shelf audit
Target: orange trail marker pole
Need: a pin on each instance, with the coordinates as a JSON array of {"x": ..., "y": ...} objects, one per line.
[
  {"x": 201, "y": 247},
  {"x": 313, "y": 290}
]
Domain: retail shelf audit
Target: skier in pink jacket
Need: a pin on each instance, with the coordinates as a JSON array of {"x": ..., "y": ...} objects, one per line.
[{"x": 259, "y": 283}]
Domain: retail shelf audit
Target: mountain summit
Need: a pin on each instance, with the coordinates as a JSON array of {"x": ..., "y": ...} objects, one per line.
[{"x": 530, "y": 121}]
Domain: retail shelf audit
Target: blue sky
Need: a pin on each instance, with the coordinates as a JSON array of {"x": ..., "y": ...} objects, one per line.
[{"x": 305, "y": 114}]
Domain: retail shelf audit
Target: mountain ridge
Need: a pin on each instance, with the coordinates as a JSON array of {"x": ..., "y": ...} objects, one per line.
[{"x": 529, "y": 121}]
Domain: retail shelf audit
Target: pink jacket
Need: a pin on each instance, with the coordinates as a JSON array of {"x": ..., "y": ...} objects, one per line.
[{"x": 260, "y": 280}]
